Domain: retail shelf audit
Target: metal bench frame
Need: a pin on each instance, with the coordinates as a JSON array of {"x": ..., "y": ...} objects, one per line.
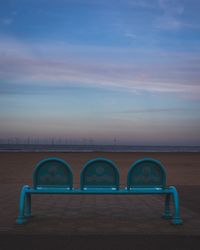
[{"x": 27, "y": 192}]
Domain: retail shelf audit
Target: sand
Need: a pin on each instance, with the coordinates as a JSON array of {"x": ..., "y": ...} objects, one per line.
[
  {"x": 94, "y": 222},
  {"x": 182, "y": 168}
]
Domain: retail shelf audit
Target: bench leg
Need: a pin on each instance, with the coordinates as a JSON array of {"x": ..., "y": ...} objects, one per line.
[
  {"x": 28, "y": 205},
  {"x": 23, "y": 196},
  {"x": 167, "y": 214},
  {"x": 176, "y": 220}
]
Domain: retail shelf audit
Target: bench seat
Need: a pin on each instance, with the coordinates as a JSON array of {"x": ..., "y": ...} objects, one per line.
[{"x": 97, "y": 190}]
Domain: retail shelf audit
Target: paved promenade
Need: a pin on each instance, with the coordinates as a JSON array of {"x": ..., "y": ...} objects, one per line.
[
  {"x": 93, "y": 222},
  {"x": 93, "y": 214}
]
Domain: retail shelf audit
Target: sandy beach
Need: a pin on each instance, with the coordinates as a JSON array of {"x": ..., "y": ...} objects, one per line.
[
  {"x": 182, "y": 168},
  {"x": 103, "y": 222}
]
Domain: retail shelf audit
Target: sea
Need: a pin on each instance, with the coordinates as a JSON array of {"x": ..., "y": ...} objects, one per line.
[{"x": 93, "y": 148}]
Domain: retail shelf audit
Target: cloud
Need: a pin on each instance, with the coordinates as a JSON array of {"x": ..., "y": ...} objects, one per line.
[
  {"x": 63, "y": 65},
  {"x": 141, "y": 3},
  {"x": 130, "y": 35},
  {"x": 7, "y": 21},
  {"x": 161, "y": 110},
  {"x": 170, "y": 18},
  {"x": 169, "y": 23},
  {"x": 172, "y": 6}
]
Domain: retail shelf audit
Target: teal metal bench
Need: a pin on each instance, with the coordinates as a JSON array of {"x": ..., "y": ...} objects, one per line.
[{"x": 99, "y": 176}]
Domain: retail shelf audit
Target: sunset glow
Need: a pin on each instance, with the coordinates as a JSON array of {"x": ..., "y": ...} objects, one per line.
[{"x": 101, "y": 70}]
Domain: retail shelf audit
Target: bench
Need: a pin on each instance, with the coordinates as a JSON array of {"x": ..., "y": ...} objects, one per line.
[{"x": 99, "y": 176}]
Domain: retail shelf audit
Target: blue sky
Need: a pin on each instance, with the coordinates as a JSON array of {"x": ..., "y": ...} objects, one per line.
[{"x": 101, "y": 70}]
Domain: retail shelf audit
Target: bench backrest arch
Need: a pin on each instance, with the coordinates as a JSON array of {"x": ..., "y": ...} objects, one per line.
[
  {"x": 99, "y": 173},
  {"x": 146, "y": 172},
  {"x": 52, "y": 173}
]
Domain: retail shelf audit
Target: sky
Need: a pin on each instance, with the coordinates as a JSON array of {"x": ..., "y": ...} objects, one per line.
[{"x": 101, "y": 70}]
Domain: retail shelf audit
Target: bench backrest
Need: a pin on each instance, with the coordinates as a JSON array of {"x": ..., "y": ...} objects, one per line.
[
  {"x": 52, "y": 173},
  {"x": 99, "y": 173},
  {"x": 146, "y": 172}
]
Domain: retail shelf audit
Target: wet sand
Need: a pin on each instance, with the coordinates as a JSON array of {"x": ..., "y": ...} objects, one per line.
[{"x": 103, "y": 222}]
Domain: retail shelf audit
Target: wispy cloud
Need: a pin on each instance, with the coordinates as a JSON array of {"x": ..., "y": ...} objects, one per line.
[
  {"x": 40, "y": 64},
  {"x": 172, "y": 6},
  {"x": 170, "y": 18},
  {"x": 141, "y": 3},
  {"x": 7, "y": 21},
  {"x": 161, "y": 110}
]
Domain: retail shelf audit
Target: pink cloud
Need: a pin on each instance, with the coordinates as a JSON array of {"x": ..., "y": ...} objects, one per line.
[{"x": 40, "y": 64}]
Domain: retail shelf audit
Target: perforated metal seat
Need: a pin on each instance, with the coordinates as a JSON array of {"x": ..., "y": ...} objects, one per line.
[
  {"x": 99, "y": 174},
  {"x": 52, "y": 173},
  {"x": 146, "y": 173}
]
